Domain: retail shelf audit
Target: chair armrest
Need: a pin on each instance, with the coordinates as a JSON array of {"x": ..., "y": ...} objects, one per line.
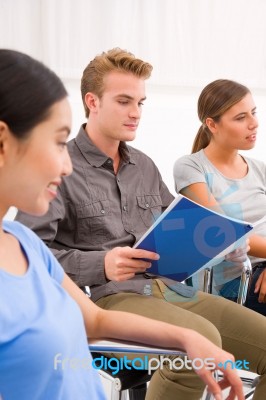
[
  {"x": 207, "y": 280},
  {"x": 244, "y": 281},
  {"x": 109, "y": 346}
]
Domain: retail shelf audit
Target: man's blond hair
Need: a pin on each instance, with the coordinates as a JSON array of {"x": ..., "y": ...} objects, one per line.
[{"x": 113, "y": 60}]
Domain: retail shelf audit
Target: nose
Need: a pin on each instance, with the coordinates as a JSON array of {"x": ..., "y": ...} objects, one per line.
[
  {"x": 135, "y": 111},
  {"x": 67, "y": 164},
  {"x": 253, "y": 122}
]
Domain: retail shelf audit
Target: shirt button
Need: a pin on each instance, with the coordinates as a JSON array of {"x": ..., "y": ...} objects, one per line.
[
  {"x": 125, "y": 208},
  {"x": 147, "y": 205},
  {"x": 102, "y": 212},
  {"x": 109, "y": 161}
]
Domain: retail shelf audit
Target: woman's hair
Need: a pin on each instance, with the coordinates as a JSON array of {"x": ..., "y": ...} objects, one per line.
[
  {"x": 112, "y": 60},
  {"x": 215, "y": 99},
  {"x": 28, "y": 89}
]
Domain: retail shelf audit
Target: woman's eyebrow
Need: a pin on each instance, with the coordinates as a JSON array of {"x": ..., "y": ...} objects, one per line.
[
  {"x": 245, "y": 112},
  {"x": 63, "y": 129}
]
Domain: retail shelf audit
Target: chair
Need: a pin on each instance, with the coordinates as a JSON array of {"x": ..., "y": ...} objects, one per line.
[{"x": 127, "y": 384}]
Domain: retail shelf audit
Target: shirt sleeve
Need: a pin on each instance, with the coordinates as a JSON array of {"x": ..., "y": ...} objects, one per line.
[
  {"x": 45, "y": 226},
  {"x": 188, "y": 170},
  {"x": 84, "y": 267},
  {"x": 166, "y": 196}
]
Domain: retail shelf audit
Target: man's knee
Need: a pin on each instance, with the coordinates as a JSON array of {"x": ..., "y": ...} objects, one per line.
[{"x": 209, "y": 331}]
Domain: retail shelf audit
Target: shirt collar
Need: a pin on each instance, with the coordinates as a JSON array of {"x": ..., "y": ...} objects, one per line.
[{"x": 93, "y": 155}]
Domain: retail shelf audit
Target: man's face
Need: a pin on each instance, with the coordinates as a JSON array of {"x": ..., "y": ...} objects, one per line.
[{"x": 119, "y": 109}]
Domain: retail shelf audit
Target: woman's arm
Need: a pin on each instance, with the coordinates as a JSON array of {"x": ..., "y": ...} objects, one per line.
[
  {"x": 100, "y": 323},
  {"x": 257, "y": 246},
  {"x": 200, "y": 193}
]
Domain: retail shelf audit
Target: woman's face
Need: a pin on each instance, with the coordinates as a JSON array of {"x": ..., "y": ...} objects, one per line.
[
  {"x": 237, "y": 128},
  {"x": 36, "y": 165}
]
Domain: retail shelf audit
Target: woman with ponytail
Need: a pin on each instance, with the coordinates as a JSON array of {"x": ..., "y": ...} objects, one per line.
[{"x": 217, "y": 176}]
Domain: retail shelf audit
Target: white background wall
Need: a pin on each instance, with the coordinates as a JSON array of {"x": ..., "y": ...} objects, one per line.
[{"x": 189, "y": 42}]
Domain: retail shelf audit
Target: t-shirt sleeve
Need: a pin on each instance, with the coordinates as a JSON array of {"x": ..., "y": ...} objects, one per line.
[{"x": 187, "y": 170}]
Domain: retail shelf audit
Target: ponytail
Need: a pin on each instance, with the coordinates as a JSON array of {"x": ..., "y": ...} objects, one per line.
[{"x": 202, "y": 139}]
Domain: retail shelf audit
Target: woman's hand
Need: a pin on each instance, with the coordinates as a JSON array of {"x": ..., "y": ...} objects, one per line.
[
  {"x": 239, "y": 255},
  {"x": 206, "y": 350},
  {"x": 260, "y": 287}
]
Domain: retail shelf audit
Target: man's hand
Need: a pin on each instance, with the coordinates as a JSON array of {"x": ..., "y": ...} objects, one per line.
[{"x": 122, "y": 263}]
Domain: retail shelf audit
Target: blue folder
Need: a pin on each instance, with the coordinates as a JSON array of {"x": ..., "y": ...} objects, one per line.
[{"x": 189, "y": 237}]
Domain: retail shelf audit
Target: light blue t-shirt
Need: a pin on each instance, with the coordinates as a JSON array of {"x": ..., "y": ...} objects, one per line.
[
  {"x": 242, "y": 198},
  {"x": 43, "y": 346}
]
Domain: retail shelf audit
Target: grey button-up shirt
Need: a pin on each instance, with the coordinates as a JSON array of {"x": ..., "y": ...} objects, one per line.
[{"x": 96, "y": 210}]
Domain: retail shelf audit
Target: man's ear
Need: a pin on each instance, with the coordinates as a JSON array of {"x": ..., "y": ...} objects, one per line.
[
  {"x": 211, "y": 124},
  {"x": 92, "y": 101},
  {"x": 4, "y": 134}
]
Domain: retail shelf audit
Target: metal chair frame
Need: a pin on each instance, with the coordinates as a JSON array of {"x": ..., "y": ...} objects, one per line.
[{"x": 244, "y": 281}]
